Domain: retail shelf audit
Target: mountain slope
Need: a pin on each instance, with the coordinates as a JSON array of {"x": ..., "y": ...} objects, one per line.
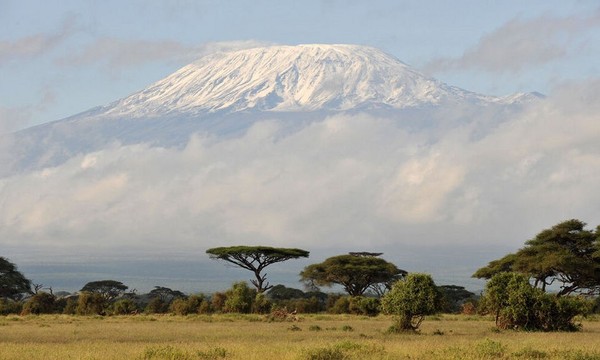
[
  {"x": 225, "y": 93},
  {"x": 291, "y": 78}
]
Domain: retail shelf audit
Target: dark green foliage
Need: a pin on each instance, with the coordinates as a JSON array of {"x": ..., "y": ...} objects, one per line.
[
  {"x": 355, "y": 273},
  {"x": 261, "y": 304},
  {"x": 90, "y": 303},
  {"x": 157, "y": 306},
  {"x": 566, "y": 254},
  {"x": 453, "y": 297},
  {"x": 256, "y": 259},
  {"x": 108, "y": 289},
  {"x": 410, "y": 300},
  {"x": 161, "y": 299},
  {"x": 8, "y": 306},
  {"x": 340, "y": 306},
  {"x": 40, "y": 303},
  {"x": 124, "y": 307},
  {"x": 165, "y": 294},
  {"x": 516, "y": 304},
  {"x": 13, "y": 285},
  {"x": 70, "y": 307},
  {"x": 217, "y": 301},
  {"x": 280, "y": 292},
  {"x": 239, "y": 298},
  {"x": 362, "y": 305},
  {"x": 190, "y": 305}
]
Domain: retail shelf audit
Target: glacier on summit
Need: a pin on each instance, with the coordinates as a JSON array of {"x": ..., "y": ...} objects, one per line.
[{"x": 292, "y": 78}]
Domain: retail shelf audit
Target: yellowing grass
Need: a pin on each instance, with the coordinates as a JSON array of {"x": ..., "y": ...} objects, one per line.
[{"x": 252, "y": 337}]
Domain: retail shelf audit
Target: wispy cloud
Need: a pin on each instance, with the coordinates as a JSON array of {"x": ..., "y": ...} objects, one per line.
[
  {"x": 33, "y": 46},
  {"x": 523, "y": 43}
]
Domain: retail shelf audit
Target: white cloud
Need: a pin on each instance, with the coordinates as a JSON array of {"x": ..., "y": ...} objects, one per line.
[
  {"x": 342, "y": 182},
  {"x": 523, "y": 43}
]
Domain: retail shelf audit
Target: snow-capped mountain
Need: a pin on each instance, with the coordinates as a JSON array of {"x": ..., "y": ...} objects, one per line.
[
  {"x": 225, "y": 93},
  {"x": 291, "y": 78}
]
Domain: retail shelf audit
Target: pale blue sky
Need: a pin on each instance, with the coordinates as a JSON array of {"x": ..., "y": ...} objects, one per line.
[{"x": 58, "y": 58}]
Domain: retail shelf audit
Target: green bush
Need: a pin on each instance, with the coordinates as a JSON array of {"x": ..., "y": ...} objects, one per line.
[
  {"x": 40, "y": 303},
  {"x": 518, "y": 305},
  {"x": 124, "y": 307},
  {"x": 157, "y": 306},
  {"x": 91, "y": 304},
  {"x": 261, "y": 304},
  {"x": 340, "y": 306},
  {"x": 8, "y": 307},
  {"x": 410, "y": 300},
  {"x": 239, "y": 298},
  {"x": 361, "y": 305}
]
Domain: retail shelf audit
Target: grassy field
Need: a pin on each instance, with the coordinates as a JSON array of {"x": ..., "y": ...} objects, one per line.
[{"x": 252, "y": 337}]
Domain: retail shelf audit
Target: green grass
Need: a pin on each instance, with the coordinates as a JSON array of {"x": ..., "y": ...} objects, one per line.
[{"x": 253, "y": 337}]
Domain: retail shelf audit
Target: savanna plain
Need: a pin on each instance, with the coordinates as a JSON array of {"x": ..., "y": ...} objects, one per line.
[{"x": 308, "y": 337}]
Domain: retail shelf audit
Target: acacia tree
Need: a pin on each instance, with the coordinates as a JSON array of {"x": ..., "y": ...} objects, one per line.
[
  {"x": 107, "y": 289},
  {"x": 355, "y": 272},
  {"x": 567, "y": 254},
  {"x": 256, "y": 259},
  {"x": 12, "y": 283}
]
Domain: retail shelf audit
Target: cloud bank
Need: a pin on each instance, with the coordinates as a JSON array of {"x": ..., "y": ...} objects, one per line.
[{"x": 348, "y": 182}]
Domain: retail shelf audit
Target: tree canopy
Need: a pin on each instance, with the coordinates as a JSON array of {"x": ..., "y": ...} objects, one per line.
[
  {"x": 108, "y": 289},
  {"x": 13, "y": 284},
  {"x": 256, "y": 259},
  {"x": 567, "y": 254},
  {"x": 355, "y": 273}
]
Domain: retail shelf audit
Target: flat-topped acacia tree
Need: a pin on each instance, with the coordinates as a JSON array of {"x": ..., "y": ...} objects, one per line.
[{"x": 255, "y": 259}]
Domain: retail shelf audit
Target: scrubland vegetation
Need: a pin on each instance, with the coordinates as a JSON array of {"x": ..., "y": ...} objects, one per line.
[
  {"x": 323, "y": 336},
  {"x": 386, "y": 313}
]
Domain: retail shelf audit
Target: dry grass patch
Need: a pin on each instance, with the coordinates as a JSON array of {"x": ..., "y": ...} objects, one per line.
[{"x": 253, "y": 337}]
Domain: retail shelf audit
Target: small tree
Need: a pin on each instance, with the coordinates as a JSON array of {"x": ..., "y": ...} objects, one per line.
[
  {"x": 410, "y": 300},
  {"x": 12, "y": 283},
  {"x": 355, "y": 272},
  {"x": 256, "y": 259}
]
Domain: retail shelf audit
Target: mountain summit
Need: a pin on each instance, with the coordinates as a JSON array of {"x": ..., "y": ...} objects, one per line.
[
  {"x": 224, "y": 94},
  {"x": 291, "y": 78}
]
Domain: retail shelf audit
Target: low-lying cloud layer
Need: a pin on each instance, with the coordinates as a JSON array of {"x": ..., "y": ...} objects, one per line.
[{"x": 348, "y": 182}]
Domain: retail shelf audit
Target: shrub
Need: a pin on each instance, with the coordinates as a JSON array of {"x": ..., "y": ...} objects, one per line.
[
  {"x": 70, "y": 307},
  {"x": 124, "y": 307},
  {"x": 340, "y": 306},
  {"x": 410, "y": 300},
  {"x": 157, "y": 306},
  {"x": 40, "y": 303},
  {"x": 217, "y": 301},
  {"x": 361, "y": 305},
  {"x": 8, "y": 307},
  {"x": 518, "y": 305},
  {"x": 90, "y": 304},
  {"x": 239, "y": 298},
  {"x": 261, "y": 304}
]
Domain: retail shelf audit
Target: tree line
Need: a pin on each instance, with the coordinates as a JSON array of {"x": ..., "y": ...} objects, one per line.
[{"x": 564, "y": 258}]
